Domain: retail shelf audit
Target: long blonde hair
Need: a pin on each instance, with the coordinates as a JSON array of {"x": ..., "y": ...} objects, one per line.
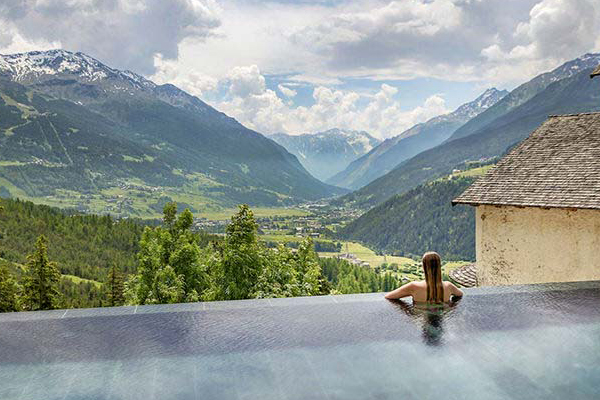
[{"x": 432, "y": 265}]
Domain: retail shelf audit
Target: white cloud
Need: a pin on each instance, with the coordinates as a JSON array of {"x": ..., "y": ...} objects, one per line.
[
  {"x": 191, "y": 81},
  {"x": 556, "y": 31},
  {"x": 124, "y": 33},
  {"x": 286, "y": 91},
  {"x": 221, "y": 51},
  {"x": 11, "y": 41},
  {"x": 261, "y": 109},
  {"x": 246, "y": 81}
]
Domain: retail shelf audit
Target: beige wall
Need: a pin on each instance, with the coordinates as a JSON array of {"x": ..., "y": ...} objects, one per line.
[{"x": 533, "y": 245}]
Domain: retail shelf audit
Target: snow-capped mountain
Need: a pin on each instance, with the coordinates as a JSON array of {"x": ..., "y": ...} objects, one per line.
[
  {"x": 324, "y": 154},
  {"x": 414, "y": 140},
  {"x": 39, "y": 66},
  {"x": 480, "y": 104},
  {"x": 42, "y": 69},
  {"x": 565, "y": 90}
]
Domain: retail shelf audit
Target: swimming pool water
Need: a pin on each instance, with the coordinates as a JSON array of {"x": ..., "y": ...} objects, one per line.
[{"x": 519, "y": 342}]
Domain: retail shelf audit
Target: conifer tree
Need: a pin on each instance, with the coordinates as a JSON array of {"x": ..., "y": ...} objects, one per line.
[
  {"x": 241, "y": 259},
  {"x": 116, "y": 295},
  {"x": 171, "y": 264},
  {"x": 309, "y": 269},
  {"x": 40, "y": 283},
  {"x": 8, "y": 291}
]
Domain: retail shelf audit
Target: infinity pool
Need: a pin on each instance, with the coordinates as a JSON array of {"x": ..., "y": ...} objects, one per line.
[{"x": 519, "y": 342}]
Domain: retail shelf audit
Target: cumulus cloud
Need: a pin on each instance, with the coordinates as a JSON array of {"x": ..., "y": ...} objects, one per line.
[
  {"x": 221, "y": 51},
  {"x": 556, "y": 31},
  {"x": 246, "y": 81},
  {"x": 286, "y": 91},
  {"x": 415, "y": 38},
  {"x": 191, "y": 80},
  {"x": 261, "y": 109},
  {"x": 124, "y": 33},
  {"x": 381, "y": 37}
]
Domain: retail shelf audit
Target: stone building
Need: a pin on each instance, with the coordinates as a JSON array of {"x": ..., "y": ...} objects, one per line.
[{"x": 538, "y": 210}]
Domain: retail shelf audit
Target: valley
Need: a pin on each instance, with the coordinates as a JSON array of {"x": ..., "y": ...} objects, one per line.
[{"x": 95, "y": 159}]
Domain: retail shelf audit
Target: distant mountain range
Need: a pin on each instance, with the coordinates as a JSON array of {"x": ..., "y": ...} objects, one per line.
[
  {"x": 324, "y": 154},
  {"x": 74, "y": 131},
  {"x": 567, "y": 89},
  {"x": 420, "y": 137}
]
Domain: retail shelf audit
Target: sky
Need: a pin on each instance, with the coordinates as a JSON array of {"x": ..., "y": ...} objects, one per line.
[{"x": 310, "y": 65}]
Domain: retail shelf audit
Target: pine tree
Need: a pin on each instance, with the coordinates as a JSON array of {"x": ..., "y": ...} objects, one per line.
[
  {"x": 309, "y": 269},
  {"x": 40, "y": 283},
  {"x": 241, "y": 259},
  {"x": 8, "y": 291},
  {"x": 116, "y": 295},
  {"x": 171, "y": 265}
]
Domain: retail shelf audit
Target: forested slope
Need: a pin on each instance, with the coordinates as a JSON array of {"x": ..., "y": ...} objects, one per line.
[
  {"x": 82, "y": 245},
  {"x": 420, "y": 220}
]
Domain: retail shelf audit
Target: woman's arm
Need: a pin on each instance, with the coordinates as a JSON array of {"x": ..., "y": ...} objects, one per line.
[
  {"x": 454, "y": 291},
  {"x": 402, "y": 291}
]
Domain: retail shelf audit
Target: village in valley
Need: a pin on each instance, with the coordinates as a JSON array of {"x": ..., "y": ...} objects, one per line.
[{"x": 320, "y": 221}]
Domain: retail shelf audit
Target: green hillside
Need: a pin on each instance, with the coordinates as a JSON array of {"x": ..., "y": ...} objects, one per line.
[
  {"x": 127, "y": 146},
  {"x": 83, "y": 245},
  {"x": 420, "y": 220}
]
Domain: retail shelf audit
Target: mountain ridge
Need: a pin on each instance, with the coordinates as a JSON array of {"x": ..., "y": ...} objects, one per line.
[
  {"x": 420, "y": 137},
  {"x": 572, "y": 94},
  {"x": 526, "y": 91}
]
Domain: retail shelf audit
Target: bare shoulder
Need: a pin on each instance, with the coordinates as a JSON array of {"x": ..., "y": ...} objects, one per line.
[
  {"x": 451, "y": 287},
  {"x": 448, "y": 285}
]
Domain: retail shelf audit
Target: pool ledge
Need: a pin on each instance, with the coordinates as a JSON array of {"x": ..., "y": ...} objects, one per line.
[{"x": 272, "y": 302}]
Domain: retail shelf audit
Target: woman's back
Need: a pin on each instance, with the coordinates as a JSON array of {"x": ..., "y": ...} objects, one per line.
[{"x": 419, "y": 291}]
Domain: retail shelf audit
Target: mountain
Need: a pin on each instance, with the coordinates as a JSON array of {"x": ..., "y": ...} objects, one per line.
[
  {"x": 572, "y": 94},
  {"x": 526, "y": 91},
  {"x": 420, "y": 137},
  {"x": 75, "y": 132},
  {"x": 324, "y": 154},
  {"x": 418, "y": 221}
]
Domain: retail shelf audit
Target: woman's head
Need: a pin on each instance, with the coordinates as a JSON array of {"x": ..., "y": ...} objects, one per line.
[{"x": 432, "y": 265}]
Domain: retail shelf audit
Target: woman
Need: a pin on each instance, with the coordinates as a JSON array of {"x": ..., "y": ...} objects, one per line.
[{"x": 432, "y": 290}]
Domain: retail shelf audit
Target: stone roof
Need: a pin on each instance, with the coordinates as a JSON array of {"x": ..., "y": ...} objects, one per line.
[
  {"x": 558, "y": 165},
  {"x": 596, "y": 72},
  {"x": 465, "y": 276}
]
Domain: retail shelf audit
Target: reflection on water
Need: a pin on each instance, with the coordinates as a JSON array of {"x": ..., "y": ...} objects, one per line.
[{"x": 429, "y": 316}]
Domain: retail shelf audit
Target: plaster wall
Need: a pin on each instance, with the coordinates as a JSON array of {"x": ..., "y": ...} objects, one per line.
[{"x": 516, "y": 245}]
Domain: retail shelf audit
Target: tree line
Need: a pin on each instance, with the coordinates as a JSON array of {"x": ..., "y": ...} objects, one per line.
[{"x": 175, "y": 264}]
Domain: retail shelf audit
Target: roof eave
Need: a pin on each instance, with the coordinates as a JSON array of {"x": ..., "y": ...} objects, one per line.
[
  {"x": 521, "y": 205},
  {"x": 469, "y": 203}
]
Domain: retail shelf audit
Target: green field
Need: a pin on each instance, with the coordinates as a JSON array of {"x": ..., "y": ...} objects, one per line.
[
  {"x": 365, "y": 254},
  {"x": 78, "y": 280},
  {"x": 140, "y": 204},
  {"x": 478, "y": 171}
]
